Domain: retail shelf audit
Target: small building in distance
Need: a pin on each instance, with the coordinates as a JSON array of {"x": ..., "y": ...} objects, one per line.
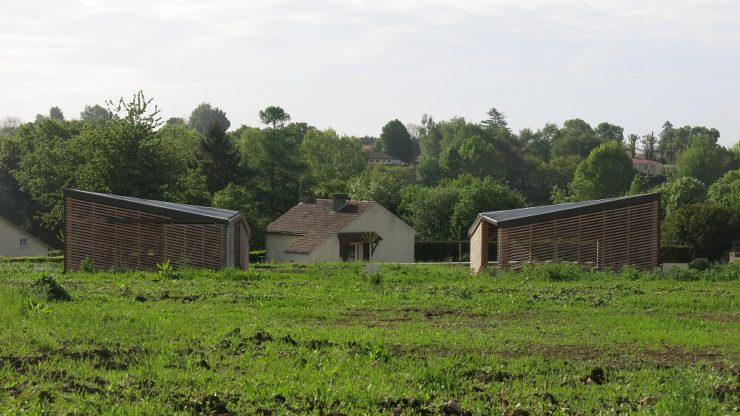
[
  {"x": 376, "y": 157},
  {"x": 17, "y": 242},
  {"x": 648, "y": 167},
  {"x": 113, "y": 231},
  {"x": 603, "y": 234},
  {"x": 338, "y": 229}
]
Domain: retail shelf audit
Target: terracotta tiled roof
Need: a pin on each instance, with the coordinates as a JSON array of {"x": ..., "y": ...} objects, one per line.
[
  {"x": 379, "y": 155},
  {"x": 638, "y": 161},
  {"x": 315, "y": 222}
]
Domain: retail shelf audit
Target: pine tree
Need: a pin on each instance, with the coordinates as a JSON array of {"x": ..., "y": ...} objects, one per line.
[
  {"x": 219, "y": 159},
  {"x": 495, "y": 118}
]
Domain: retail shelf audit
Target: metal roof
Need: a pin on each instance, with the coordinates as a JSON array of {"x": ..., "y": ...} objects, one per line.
[
  {"x": 512, "y": 217},
  {"x": 158, "y": 207}
]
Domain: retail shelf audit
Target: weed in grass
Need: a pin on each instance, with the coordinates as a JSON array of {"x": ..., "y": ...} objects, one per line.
[
  {"x": 48, "y": 288},
  {"x": 556, "y": 272},
  {"x": 87, "y": 265},
  {"x": 315, "y": 340},
  {"x": 687, "y": 394},
  {"x": 166, "y": 270}
]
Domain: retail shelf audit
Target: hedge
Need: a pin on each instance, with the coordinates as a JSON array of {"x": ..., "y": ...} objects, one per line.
[{"x": 433, "y": 251}]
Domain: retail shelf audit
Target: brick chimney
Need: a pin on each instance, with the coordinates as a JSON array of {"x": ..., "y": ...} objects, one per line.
[{"x": 338, "y": 202}]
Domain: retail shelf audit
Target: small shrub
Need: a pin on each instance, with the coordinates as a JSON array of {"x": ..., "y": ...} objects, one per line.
[
  {"x": 700, "y": 264},
  {"x": 724, "y": 272},
  {"x": 166, "y": 270},
  {"x": 48, "y": 288},
  {"x": 87, "y": 265},
  {"x": 687, "y": 395},
  {"x": 557, "y": 272},
  {"x": 376, "y": 279},
  {"x": 686, "y": 275},
  {"x": 629, "y": 272}
]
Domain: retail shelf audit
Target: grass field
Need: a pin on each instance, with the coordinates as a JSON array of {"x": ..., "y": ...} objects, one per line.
[{"x": 330, "y": 340}]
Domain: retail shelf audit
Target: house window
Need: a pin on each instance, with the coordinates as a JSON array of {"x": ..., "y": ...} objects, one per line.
[
  {"x": 23, "y": 243},
  {"x": 355, "y": 252}
]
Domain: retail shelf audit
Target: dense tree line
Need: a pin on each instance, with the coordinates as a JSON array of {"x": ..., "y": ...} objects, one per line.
[{"x": 453, "y": 169}]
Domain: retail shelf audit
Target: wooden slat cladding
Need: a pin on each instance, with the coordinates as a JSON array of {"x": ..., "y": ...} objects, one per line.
[
  {"x": 197, "y": 245},
  {"x": 607, "y": 239},
  {"x": 112, "y": 236}
]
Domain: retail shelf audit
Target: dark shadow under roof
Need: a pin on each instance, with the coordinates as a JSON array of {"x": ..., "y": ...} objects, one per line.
[
  {"x": 513, "y": 217},
  {"x": 157, "y": 207}
]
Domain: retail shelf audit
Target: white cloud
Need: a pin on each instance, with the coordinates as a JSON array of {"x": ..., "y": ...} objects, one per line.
[{"x": 354, "y": 64}]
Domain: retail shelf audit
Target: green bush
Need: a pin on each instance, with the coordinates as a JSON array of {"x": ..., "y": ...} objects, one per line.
[
  {"x": 48, "y": 288},
  {"x": 699, "y": 264},
  {"x": 33, "y": 259},
  {"x": 675, "y": 254},
  {"x": 87, "y": 265},
  {"x": 708, "y": 230},
  {"x": 557, "y": 272}
]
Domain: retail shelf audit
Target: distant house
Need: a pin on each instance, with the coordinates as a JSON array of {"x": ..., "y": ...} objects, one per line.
[
  {"x": 338, "y": 229},
  {"x": 136, "y": 234},
  {"x": 379, "y": 158},
  {"x": 604, "y": 234},
  {"x": 17, "y": 242},
  {"x": 648, "y": 167}
]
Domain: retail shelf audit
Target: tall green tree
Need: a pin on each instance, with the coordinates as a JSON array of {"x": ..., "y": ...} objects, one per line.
[
  {"x": 680, "y": 192},
  {"x": 55, "y": 113},
  {"x": 476, "y": 196},
  {"x": 606, "y": 172},
  {"x": 608, "y": 131},
  {"x": 481, "y": 159},
  {"x": 274, "y": 117},
  {"x": 708, "y": 230},
  {"x": 648, "y": 146},
  {"x": 428, "y": 210},
  {"x": 575, "y": 138},
  {"x": 726, "y": 191},
  {"x": 705, "y": 160},
  {"x": 632, "y": 140},
  {"x": 495, "y": 119},
  {"x": 203, "y": 117},
  {"x": 331, "y": 161},
  {"x": 272, "y": 157},
  {"x": 446, "y": 211},
  {"x": 243, "y": 199},
  {"x": 126, "y": 156},
  {"x": 96, "y": 114},
  {"x": 396, "y": 141},
  {"x": 666, "y": 143},
  {"x": 43, "y": 161},
  {"x": 382, "y": 184},
  {"x": 218, "y": 158},
  {"x": 429, "y": 170}
]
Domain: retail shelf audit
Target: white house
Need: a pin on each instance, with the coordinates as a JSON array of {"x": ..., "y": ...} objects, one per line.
[
  {"x": 16, "y": 242},
  {"x": 379, "y": 158},
  {"x": 648, "y": 167},
  {"x": 338, "y": 229}
]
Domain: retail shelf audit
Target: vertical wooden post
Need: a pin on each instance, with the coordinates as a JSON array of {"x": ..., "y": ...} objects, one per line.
[{"x": 479, "y": 248}]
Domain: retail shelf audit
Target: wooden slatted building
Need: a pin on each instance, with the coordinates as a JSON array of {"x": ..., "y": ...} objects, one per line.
[
  {"x": 129, "y": 233},
  {"x": 604, "y": 234}
]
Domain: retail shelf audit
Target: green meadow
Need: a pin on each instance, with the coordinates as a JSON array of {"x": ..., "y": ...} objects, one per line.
[{"x": 332, "y": 339}]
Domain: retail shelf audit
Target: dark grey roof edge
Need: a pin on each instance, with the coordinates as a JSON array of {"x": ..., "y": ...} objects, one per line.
[
  {"x": 182, "y": 211},
  {"x": 567, "y": 209}
]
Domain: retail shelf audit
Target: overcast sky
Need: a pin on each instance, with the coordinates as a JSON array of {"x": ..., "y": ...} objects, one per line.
[{"x": 354, "y": 65}]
